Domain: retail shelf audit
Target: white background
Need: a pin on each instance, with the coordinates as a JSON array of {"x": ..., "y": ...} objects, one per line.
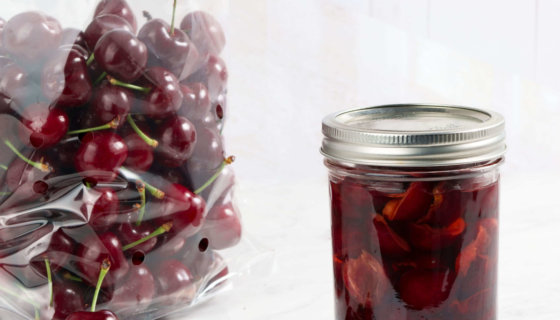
[{"x": 293, "y": 61}]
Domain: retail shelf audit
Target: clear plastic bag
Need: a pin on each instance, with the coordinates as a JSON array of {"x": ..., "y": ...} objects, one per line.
[{"x": 116, "y": 192}]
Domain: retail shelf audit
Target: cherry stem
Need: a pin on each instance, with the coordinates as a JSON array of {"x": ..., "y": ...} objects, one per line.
[
  {"x": 4, "y": 167},
  {"x": 105, "y": 266},
  {"x": 90, "y": 59},
  {"x": 119, "y": 83},
  {"x": 49, "y": 277},
  {"x": 227, "y": 161},
  {"x": 26, "y": 298},
  {"x": 39, "y": 165},
  {"x": 100, "y": 78},
  {"x": 71, "y": 277},
  {"x": 159, "y": 231},
  {"x": 151, "y": 189},
  {"x": 173, "y": 18},
  {"x": 5, "y": 193},
  {"x": 142, "y": 190},
  {"x": 151, "y": 142},
  {"x": 111, "y": 125}
]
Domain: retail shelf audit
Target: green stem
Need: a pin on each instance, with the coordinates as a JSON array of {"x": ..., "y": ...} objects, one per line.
[
  {"x": 151, "y": 142},
  {"x": 161, "y": 230},
  {"x": 119, "y": 83},
  {"x": 227, "y": 161},
  {"x": 142, "y": 190},
  {"x": 49, "y": 278},
  {"x": 90, "y": 59},
  {"x": 5, "y": 193},
  {"x": 39, "y": 165},
  {"x": 105, "y": 266},
  {"x": 71, "y": 277},
  {"x": 111, "y": 125},
  {"x": 173, "y": 18},
  {"x": 100, "y": 78},
  {"x": 151, "y": 189},
  {"x": 4, "y": 167}
]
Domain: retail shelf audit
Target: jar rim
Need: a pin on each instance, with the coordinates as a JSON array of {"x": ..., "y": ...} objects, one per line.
[{"x": 414, "y": 135}]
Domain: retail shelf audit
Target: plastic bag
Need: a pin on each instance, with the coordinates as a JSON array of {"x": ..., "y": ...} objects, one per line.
[{"x": 116, "y": 194}]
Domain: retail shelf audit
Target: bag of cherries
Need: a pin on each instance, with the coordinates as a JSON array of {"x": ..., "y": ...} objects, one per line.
[{"x": 115, "y": 196}]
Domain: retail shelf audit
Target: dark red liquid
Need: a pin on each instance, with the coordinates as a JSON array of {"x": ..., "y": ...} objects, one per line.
[{"x": 420, "y": 249}]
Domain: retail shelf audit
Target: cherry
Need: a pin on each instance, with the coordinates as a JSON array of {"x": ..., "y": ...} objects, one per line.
[
  {"x": 119, "y": 8},
  {"x": 205, "y": 31},
  {"x": 140, "y": 154},
  {"x": 67, "y": 299},
  {"x": 65, "y": 79},
  {"x": 13, "y": 83},
  {"x": 414, "y": 204},
  {"x": 43, "y": 126},
  {"x": 98, "y": 315},
  {"x": 365, "y": 279},
  {"x": 196, "y": 102},
  {"x": 58, "y": 253},
  {"x": 174, "y": 282},
  {"x": 222, "y": 227},
  {"x": 110, "y": 102},
  {"x": 165, "y": 97},
  {"x": 102, "y": 24},
  {"x": 101, "y": 155},
  {"x": 136, "y": 291},
  {"x": 390, "y": 243},
  {"x": 177, "y": 139},
  {"x": 208, "y": 152},
  {"x": 420, "y": 289},
  {"x": 425, "y": 237},
  {"x": 121, "y": 55},
  {"x": 183, "y": 208},
  {"x": 24, "y": 170},
  {"x": 30, "y": 36},
  {"x": 94, "y": 250},
  {"x": 170, "y": 49},
  {"x": 213, "y": 74},
  {"x": 129, "y": 232},
  {"x": 101, "y": 206}
]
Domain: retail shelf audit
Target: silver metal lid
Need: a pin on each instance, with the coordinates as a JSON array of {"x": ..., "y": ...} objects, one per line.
[{"x": 413, "y": 135}]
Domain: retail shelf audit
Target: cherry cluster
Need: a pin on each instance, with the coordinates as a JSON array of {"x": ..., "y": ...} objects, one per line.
[
  {"x": 115, "y": 185},
  {"x": 415, "y": 250}
]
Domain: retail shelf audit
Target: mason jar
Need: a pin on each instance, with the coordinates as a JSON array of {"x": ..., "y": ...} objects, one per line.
[{"x": 414, "y": 209}]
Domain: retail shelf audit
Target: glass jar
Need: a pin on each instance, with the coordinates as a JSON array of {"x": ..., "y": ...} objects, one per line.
[{"x": 414, "y": 199}]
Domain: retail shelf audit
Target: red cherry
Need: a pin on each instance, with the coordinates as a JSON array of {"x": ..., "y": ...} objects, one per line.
[
  {"x": 110, "y": 102},
  {"x": 222, "y": 227},
  {"x": 174, "y": 282},
  {"x": 121, "y": 55},
  {"x": 13, "y": 84},
  {"x": 205, "y": 31},
  {"x": 140, "y": 154},
  {"x": 119, "y": 8},
  {"x": 171, "y": 50},
  {"x": 196, "y": 102},
  {"x": 65, "y": 79},
  {"x": 184, "y": 209},
  {"x": 97, "y": 315},
  {"x": 101, "y": 155},
  {"x": 177, "y": 140},
  {"x": 425, "y": 237},
  {"x": 213, "y": 74},
  {"x": 136, "y": 291},
  {"x": 30, "y": 36},
  {"x": 365, "y": 279},
  {"x": 129, "y": 232},
  {"x": 96, "y": 248},
  {"x": 102, "y": 206},
  {"x": 414, "y": 204},
  {"x": 43, "y": 126},
  {"x": 67, "y": 298},
  {"x": 165, "y": 97},
  {"x": 208, "y": 152},
  {"x": 448, "y": 206},
  {"x": 58, "y": 253},
  {"x": 390, "y": 243},
  {"x": 102, "y": 24}
]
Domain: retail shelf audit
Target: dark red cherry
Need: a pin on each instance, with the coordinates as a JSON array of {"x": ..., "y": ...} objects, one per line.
[
  {"x": 129, "y": 232},
  {"x": 101, "y": 155},
  {"x": 102, "y": 24},
  {"x": 110, "y": 102},
  {"x": 13, "y": 82},
  {"x": 121, "y": 55},
  {"x": 196, "y": 102},
  {"x": 390, "y": 243},
  {"x": 222, "y": 227},
  {"x": 65, "y": 79},
  {"x": 101, "y": 205},
  {"x": 136, "y": 291},
  {"x": 96, "y": 248},
  {"x": 140, "y": 154},
  {"x": 183, "y": 208},
  {"x": 43, "y": 125},
  {"x": 97, "y": 315},
  {"x": 213, "y": 74},
  {"x": 119, "y": 8},
  {"x": 209, "y": 151},
  {"x": 205, "y": 31},
  {"x": 30, "y": 36},
  {"x": 177, "y": 140},
  {"x": 174, "y": 282},
  {"x": 58, "y": 253},
  {"x": 413, "y": 205},
  {"x": 173, "y": 51},
  {"x": 165, "y": 96},
  {"x": 67, "y": 298},
  {"x": 421, "y": 289}
]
